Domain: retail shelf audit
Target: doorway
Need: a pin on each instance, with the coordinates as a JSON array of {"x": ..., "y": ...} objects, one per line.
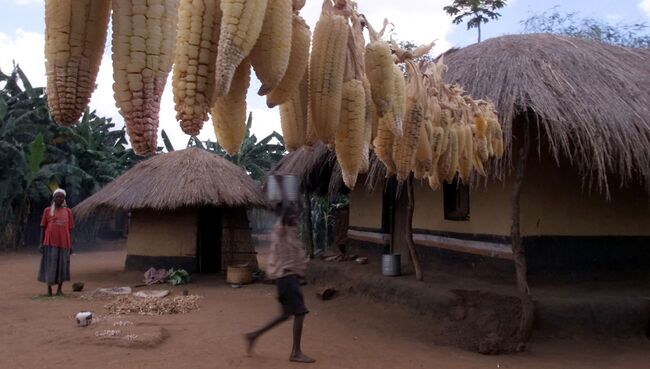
[{"x": 208, "y": 242}]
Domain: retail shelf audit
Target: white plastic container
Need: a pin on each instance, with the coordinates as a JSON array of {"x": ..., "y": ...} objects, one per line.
[
  {"x": 84, "y": 318},
  {"x": 276, "y": 184}
]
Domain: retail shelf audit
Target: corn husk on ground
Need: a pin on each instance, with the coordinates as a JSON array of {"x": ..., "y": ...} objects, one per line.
[
  {"x": 199, "y": 23},
  {"x": 144, "y": 37},
  {"x": 75, "y": 36}
]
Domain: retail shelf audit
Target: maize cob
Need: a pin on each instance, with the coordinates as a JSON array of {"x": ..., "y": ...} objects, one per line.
[
  {"x": 384, "y": 142},
  {"x": 365, "y": 159},
  {"x": 144, "y": 35},
  {"x": 293, "y": 117},
  {"x": 351, "y": 131},
  {"x": 466, "y": 156},
  {"x": 478, "y": 164},
  {"x": 297, "y": 5},
  {"x": 241, "y": 24},
  {"x": 423, "y": 155},
  {"x": 399, "y": 102},
  {"x": 229, "y": 111},
  {"x": 437, "y": 141},
  {"x": 379, "y": 70},
  {"x": 270, "y": 55},
  {"x": 75, "y": 35},
  {"x": 298, "y": 60},
  {"x": 326, "y": 69},
  {"x": 369, "y": 125},
  {"x": 444, "y": 162},
  {"x": 481, "y": 136},
  {"x": 497, "y": 139},
  {"x": 405, "y": 147},
  {"x": 194, "y": 64},
  {"x": 433, "y": 179},
  {"x": 453, "y": 153}
]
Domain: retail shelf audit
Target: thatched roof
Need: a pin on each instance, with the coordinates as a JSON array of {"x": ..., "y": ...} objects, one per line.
[
  {"x": 183, "y": 178},
  {"x": 592, "y": 100}
]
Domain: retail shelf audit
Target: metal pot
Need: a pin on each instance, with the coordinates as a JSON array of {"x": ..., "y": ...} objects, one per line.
[
  {"x": 391, "y": 265},
  {"x": 275, "y": 184}
]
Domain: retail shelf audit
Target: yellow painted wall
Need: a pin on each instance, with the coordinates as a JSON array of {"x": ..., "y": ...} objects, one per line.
[
  {"x": 153, "y": 233},
  {"x": 365, "y": 208},
  {"x": 553, "y": 203}
]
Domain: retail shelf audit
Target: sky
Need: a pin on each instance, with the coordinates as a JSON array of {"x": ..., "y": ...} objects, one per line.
[{"x": 421, "y": 21}]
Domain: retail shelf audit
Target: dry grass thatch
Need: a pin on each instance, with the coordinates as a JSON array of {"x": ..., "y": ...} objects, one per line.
[
  {"x": 184, "y": 178},
  {"x": 591, "y": 100}
]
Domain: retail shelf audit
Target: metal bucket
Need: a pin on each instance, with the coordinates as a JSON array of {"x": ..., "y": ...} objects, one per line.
[
  {"x": 390, "y": 265},
  {"x": 290, "y": 184}
]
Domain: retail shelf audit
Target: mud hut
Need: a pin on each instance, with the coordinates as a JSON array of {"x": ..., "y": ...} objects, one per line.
[
  {"x": 574, "y": 183},
  {"x": 187, "y": 210}
]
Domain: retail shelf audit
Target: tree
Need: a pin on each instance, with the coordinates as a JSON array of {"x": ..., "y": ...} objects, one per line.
[
  {"x": 37, "y": 155},
  {"x": 571, "y": 24},
  {"x": 478, "y": 11}
]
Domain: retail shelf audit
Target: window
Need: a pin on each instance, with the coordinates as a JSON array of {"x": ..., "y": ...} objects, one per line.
[{"x": 456, "y": 200}]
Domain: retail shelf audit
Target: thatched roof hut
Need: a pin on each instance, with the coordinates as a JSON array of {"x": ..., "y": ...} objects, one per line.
[
  {"x": 590, "y": 100},
  {"x": 586, "y": 106},
  {"x": 184, "y": 178},
  {"x": 185, "y": 206}
]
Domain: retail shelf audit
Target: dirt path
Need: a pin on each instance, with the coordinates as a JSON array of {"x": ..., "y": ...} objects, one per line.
[{"x": 346, "y": 332}]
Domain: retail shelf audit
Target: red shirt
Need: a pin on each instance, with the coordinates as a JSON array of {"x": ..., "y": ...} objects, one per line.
[{"x": 57, "y": 227}]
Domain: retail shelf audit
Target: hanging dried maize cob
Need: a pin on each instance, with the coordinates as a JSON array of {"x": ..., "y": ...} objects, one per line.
[
  {"x": 199, "y": 23},
  {"x": 144, "y": 36},
  {"x": 384, "y": 142},
  {"x": 293, "y": 117},
  {"x": 481, "y": 136},
  {"x": 423, "y": 155},
  {"x": 444, "y": 162},
  {"x": 367, "y": 138},
  {"x": 270, "y": 55},
  {"x": 351, "y": 131},
  {"x": 453, "y": 154},
  {"x": 298, "y": 60},
  {"x": 437, "y": 142},
  {"x": 399, "y": 102},
  {"x": 370, "y": 126},
  {"x": 379, "y": 69},
  {"x": 75, "y": 35},
  {"x": 478, "y": 164},
  {"x": 466, "y": 156},
  {"x": 229, "y": 111},
  {"x": 241, "y": 24},
  {"x": 326, "y": 70},
  {"x": 405, "y": 147}
]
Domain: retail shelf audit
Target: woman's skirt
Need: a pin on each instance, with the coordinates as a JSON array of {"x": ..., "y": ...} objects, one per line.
[{"x": 55, "y": 265}]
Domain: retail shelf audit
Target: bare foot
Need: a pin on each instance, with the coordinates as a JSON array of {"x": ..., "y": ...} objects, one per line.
[
  {"x": 301, "y": 358},
  {"x": 250, "y": 342}
]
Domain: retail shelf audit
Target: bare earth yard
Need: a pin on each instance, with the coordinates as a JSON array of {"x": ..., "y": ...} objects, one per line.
[{"x": 346, "y": 332}]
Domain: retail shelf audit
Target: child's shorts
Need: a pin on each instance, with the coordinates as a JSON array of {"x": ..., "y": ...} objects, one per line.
[{"x": 290, "y": 295}]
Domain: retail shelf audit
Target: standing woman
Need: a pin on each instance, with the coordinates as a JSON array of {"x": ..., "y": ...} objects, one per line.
[{"x": 56, "y": 243}]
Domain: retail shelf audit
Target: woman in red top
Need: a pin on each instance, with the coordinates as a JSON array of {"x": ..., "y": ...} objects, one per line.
[{"x": 56, "y": 244}]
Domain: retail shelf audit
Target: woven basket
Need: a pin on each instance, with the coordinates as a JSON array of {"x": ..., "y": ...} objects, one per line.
[{"x": 239, "y": 274}]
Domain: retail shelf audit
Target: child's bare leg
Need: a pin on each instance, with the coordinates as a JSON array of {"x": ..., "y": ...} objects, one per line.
[
  {"x": 296, "y": 352},
  {"x": 252, "y": 336}
]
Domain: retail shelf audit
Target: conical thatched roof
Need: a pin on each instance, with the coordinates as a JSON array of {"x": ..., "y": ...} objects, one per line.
[
  {"x": 592, "y": 99},
  {"x": 184, "y": 178},
  {"x": 591, "y": 102}
]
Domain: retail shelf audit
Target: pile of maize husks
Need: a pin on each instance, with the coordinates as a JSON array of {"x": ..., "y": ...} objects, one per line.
[
  {"x": 153, "y": 306},
  {"x": 331, "y": 86}
]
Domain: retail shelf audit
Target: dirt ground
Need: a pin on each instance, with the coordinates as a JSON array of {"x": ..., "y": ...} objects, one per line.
[{"x": 345, "y": 332}]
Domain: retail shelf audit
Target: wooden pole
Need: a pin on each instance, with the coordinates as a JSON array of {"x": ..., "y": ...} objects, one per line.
[
  {"x": 410, "y": 205},
  {"x": 518, "y": 250}
]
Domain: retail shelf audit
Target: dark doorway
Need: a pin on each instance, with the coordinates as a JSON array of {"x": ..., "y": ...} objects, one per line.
[{"x": 208, "y": 242}]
